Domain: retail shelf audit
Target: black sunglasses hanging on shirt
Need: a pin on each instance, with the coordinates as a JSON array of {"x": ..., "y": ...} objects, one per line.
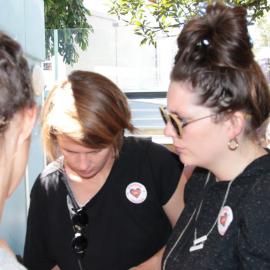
[{"x": 79, "y": 220}]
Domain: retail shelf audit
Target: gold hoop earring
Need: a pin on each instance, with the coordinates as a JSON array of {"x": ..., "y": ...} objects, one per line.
[{"x": 233, "y": 144}]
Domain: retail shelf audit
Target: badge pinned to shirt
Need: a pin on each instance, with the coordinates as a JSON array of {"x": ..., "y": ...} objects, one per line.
[
  {"x": 136, "y": 192},
  {"x": 225, "y": 218}
]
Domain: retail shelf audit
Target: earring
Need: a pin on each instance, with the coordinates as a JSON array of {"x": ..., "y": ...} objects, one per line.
[
  {"x": 233, "y": 144},
  {"x": 3, "y": 122}
]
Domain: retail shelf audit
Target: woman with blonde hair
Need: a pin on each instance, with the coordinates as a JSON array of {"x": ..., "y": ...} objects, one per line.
[
  {"x": 106, "y": 201},
  {"x": 17, "y": 117}
]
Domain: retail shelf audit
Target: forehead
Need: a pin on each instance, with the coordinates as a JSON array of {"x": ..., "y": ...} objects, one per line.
[
  {"x": 182, "y": 99},
  {"x": 71, "y": 144},
  {"x": 180, "y": 95}
]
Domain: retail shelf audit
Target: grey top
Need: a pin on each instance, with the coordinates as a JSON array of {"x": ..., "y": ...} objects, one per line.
[{"x": 9, "y": 262}]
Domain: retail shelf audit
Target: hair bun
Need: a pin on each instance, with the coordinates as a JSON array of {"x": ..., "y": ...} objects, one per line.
[{"x": 218, "y": 38}]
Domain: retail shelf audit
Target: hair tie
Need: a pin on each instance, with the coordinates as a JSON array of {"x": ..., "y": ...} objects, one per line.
[{"x": 205, "y": 42}]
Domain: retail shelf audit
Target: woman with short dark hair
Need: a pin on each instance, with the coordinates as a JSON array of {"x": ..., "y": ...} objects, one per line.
[{"x": 106, "y": 201}]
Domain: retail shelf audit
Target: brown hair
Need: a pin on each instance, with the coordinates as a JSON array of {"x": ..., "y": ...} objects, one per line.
[
  {"x": 88, "y": 108},
  {"x": 16, "y": 90},
  {"x": 215, "y": 56}
]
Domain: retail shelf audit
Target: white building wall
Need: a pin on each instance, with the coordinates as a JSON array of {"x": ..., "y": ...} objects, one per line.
[{"x": 115, "y": 52}]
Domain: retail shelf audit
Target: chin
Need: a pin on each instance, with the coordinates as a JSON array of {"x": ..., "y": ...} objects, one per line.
[
  {"x": 184, "y": 159},
  {"x": 187, "y": 160},
  {"x": 87, "y": 175}
]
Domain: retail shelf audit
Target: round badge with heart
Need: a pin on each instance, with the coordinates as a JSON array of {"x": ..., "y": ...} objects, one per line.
[
  {"x": 136, "y": 192},
  {"x": 225, "y": 218}
]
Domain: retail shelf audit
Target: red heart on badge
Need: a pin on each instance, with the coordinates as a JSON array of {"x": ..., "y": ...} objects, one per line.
[
  {"x": 223, "y": 219},
  {"x": 135, "y": 192}
]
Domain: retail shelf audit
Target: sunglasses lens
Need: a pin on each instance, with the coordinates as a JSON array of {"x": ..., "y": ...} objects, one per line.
[
  {"x": 80, "y": 219},
  {"x": 164, "y": 117},
  {"x": 175, "y": 126},
  {"x": 79, "y": 243},
  {"x": 169, "y": 118}
]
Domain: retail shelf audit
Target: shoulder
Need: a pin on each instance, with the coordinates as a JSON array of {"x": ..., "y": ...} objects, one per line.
[
  {"x": 257, "y": 177},
  {"x": 8, "y": 262},
  {"x": 144, "y": 147},
  {"x": 254, "y": 218},
  {"x": 52, "y": 168},
  {"x": 135, "y": 143},
  {"x": 254, "y": 208},
  {"x": 50, "y": 177},
  {"x": 257, "y": 196}
]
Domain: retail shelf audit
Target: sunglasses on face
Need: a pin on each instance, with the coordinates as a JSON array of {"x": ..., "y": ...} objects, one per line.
[
  {"x": 79, "y": 221},
  {"x": 178, "y": 123}
]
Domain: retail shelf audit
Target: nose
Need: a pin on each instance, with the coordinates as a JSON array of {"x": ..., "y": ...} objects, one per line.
[
  {"x": 83, "y": 162},
  {"x": 169, "y": 130}
]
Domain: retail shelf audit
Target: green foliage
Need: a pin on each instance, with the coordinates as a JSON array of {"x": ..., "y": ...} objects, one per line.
[
  {"x": 69, "y": 17},
  {"x": 263, "y": 29},
  {"x": 153, "y": 17}
]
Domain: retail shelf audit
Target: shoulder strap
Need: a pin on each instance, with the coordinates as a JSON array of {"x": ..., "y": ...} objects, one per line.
[{"x": 70, "y": 193}]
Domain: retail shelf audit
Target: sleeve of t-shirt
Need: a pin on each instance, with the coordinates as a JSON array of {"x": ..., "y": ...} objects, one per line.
[
  {"x": 254, "y": 233},
  {"x": 36, "y": 253},
  {"x": 166, "y": 169}
]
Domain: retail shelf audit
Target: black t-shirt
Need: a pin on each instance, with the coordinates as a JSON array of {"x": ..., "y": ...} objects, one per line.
[
  {"x": 240, "y": 239},
  {"x": 125, "y": 228}
]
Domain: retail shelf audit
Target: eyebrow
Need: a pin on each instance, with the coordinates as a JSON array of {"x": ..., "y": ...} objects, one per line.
[
  {"x": 173, "y": 112},
  {"x": 178, "y": 115},
  {"x": 69, "y": 150}
]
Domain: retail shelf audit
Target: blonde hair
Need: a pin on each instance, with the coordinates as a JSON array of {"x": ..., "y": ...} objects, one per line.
[{"x": 88, "y": 108}]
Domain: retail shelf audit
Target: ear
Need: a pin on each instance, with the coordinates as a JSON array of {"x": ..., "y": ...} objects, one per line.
[
  {"x": 28, "y": 122},
  {"x": 236, "y": 124}
]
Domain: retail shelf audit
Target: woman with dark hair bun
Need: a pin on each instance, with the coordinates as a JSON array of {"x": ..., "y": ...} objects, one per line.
[{"x": 218, "y": 98}]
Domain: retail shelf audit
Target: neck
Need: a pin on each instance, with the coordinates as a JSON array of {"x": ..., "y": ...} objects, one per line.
[
  {"x": 102, "y": 174},
  {"x": 4, "y": 182},
  {"x": 235, "y": 162},
  {"x": 85, "y": 189}
]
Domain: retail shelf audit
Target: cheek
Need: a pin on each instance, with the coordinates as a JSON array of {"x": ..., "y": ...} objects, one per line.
[
  {"x": 71, "y": 160},
  {"x": 204, "y": 137},
  {"x": 195, "y": 134},
  {"x": 100, "y": 161}
]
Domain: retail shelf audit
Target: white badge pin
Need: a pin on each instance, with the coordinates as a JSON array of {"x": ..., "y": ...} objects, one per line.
[
  {"x": 136, "y": 192},
  {"x": 225, "y": 218}
]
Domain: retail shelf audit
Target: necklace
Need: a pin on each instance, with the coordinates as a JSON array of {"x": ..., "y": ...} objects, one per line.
[{"x": 198, "y": 243}]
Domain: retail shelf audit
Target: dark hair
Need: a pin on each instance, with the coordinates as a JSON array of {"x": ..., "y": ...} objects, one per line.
[
  {"x": 91, "y": 110},
  {"x": 16, "y": 90},
  {"x": 215, "y": 56}
]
